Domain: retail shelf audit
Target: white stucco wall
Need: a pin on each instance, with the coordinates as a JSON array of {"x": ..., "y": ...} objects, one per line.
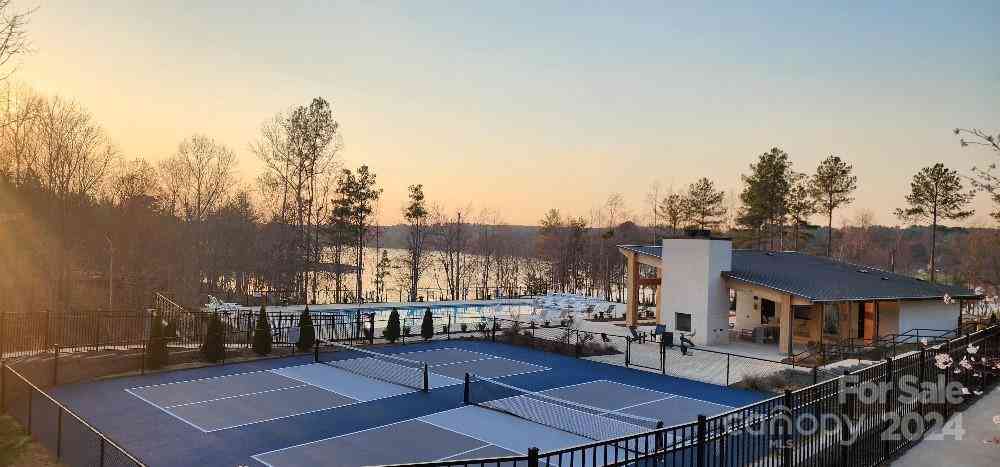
[
  {"x": 927, "y": 314},
  {"x": 692, "y": 283},
  {"x": 746, "y": 316}
]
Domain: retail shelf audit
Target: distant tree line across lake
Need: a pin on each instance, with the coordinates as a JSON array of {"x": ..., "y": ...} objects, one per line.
[{"x": 85, "y": 226}]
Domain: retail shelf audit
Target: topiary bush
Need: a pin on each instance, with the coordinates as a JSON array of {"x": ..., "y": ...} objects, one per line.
[
  {"x": 214, "y": 347},
  {"x": 262, "y": 344},
  {"x": 392, "y": 330},
  {"x": 307, "y": 333},
  {"x": 427, "y": 326},
  {"x": 156, "y": 349}
]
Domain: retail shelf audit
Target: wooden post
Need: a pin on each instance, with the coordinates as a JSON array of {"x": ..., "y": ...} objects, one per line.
[{"x": 632, "y": 282}]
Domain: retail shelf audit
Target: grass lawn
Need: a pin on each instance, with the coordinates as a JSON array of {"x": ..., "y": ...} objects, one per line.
[{"x": 18, "y": 449}]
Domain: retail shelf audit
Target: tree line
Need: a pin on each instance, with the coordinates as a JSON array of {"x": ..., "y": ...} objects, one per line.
[{"x": 85, "y": 225}]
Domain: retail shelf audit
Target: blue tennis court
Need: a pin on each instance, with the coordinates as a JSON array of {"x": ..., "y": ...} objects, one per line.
[{"x": 389, "y": 404}]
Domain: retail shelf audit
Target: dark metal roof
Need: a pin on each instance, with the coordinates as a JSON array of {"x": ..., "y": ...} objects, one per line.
[
  {"x": 822, "y": 279},
  {"x": 648, "y": 250}
]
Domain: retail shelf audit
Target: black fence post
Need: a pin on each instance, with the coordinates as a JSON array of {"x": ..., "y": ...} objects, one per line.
[
  {"x": 921, "y": 378},
  {"x": 533, "y": 457},
  {"x": 101, "y": 464},
  {"x": 845, "y": 414},
  {"x": 465, "y": 396},
  {"x": 59, "y": 430},
  {"x": 947, "y": 377},
  {"x": 700, "y": 447},
  {"x": 371, "y": 328},
  {"x": 427, "y": 380},
  {"x": 786, "y": 435},
  {"x": 728, "y": 357},
  {"x": 815, "y": 372},
  {"x": 316, "y": 352},
  {"x": 628, "y": 351},
  {"x": 3, "y": 386},
  {"x": 55, "y": 365},
  {"x": 3, "y": 333},
  {"x": 47, "y": 317},
  {"x": 30, "y": 397}
]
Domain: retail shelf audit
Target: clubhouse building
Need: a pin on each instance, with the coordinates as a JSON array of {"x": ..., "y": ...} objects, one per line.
[{"x": 705, "y": 287}]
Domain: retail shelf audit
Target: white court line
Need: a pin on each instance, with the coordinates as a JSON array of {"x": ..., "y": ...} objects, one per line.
[
  {"x": 420, "y": 419},
  {"x": 306, "y": 383},
  {"x": 540, "y": 367},
  {"x": 463, "y": 452},
  {"x": 465, "y": 434},
  {"x": 166, "y": 411},
  {"x": 356, "y": 402},
  {"x": 285, "y": 416},
  {"x": 130, "y": 390},
  {"x": 234, "y": 397},
  {"x": 668, "y": 393},
  {"x": 409, "y": 390},
  {"x": 199, "y": 379},
  {"x": 203, "y": 430},
  {"x": 644, "y": 403}
]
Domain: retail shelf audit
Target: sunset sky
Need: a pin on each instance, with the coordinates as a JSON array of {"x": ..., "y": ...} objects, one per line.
[{"x": 525, "y": 106}]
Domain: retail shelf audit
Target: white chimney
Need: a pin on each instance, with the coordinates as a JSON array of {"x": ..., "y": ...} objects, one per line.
[{"x": 693, "y": 286}]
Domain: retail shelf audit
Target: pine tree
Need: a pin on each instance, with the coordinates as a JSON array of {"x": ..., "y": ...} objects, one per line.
[
  {"x": 391, "y": 331},
  {"x": 936, "y": 194},
  {"x": 307, "y": 333},
  {"x": 427, "y": 326},
  {"x": 156, "y": 349},
  {"x": 214, "y": 347},
  {"x": 262, "y": 333},
  {"x": 765, "y": 197},
  {"x": 703, "y": 205},
  {"x": 831, "y": 187}
]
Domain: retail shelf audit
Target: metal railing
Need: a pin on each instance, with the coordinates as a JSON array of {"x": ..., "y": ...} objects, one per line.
[
  {"x": 72, "y": 440},
  {"x": 845, "y": 430}
]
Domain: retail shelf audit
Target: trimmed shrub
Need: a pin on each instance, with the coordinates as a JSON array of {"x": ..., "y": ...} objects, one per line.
[
  {"x": 214, "y": 347},
  {"x": 427, "y": 326},
  {"x": 156, "y": 349},
  {"x": 307, "y": 333},
  {"x": 262, "y": 334},
  {"x": 391, "y": 331}
]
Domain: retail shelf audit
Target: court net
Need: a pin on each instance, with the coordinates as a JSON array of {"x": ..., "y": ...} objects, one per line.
[
  {"x": 383, "y": 367},
  {"x": 573, "y": 417}
]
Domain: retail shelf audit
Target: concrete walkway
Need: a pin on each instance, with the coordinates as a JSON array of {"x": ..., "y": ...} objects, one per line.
[{"x": 979, "y": 446}]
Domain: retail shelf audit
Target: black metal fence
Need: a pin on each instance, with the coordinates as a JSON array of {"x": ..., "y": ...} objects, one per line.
[
  {"x": 329, "y": 295},
  {"x": 73, "y": 441},
  {"x": 831, "y": 423}
]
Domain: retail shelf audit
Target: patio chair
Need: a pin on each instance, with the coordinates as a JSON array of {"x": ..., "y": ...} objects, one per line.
[{"x": 638, "y": 336}]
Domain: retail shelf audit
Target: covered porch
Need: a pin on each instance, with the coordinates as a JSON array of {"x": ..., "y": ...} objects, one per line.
[{"x": 793, "y": 323}]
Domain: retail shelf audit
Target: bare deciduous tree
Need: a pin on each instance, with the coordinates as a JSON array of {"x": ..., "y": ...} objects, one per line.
[
  {"x": 13, "y": 36},
  {"x": 197, "y": 178}
]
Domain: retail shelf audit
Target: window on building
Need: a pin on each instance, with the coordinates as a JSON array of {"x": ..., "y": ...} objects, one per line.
[
  {"x": 683, "y": 322},
  {"x": 831, "y": 319}
]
